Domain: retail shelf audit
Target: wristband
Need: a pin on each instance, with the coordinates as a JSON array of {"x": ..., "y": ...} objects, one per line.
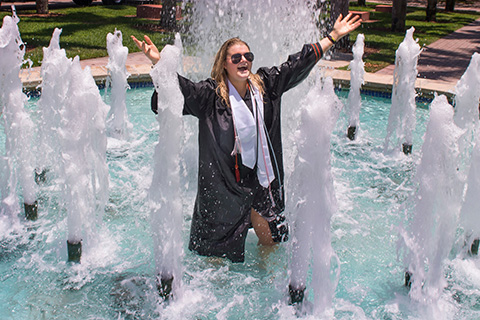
[{"x": 329, "y": 37}]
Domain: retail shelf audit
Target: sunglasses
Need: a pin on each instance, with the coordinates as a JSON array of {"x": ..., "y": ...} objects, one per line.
[{"x": 237, "y": 57}]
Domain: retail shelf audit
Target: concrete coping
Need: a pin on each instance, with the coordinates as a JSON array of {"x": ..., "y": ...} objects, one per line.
[{"x": 426, "y": 88}]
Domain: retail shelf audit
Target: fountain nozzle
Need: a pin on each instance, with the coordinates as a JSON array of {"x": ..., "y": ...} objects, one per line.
[
  {"x": 407, "y": 148},
  {"x": 296, "y": 295},
  {"x": 31, "y": 211},
  {"x": 74, "y": 251},
  {"x": 164, "y": 286},
  {"x": 351, "y": 131}
]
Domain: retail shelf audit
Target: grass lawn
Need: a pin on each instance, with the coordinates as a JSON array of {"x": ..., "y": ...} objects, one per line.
[
  {"x": 85, "y": 30},
  {"x": 381, "y": 43}
]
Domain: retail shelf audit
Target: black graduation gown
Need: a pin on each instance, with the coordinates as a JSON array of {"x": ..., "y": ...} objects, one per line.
[{"x": 221, "y": 215}]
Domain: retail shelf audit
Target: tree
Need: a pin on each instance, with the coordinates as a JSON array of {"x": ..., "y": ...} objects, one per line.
[
  {"x": 168, "y": 19},
  {"x": 449, "y": 5},
  {"x": 399, "y": 14},
  {"x": 42, "y": 6},
  {"x": 340, "y": 7},
  {"x": 431, "y": 10}
]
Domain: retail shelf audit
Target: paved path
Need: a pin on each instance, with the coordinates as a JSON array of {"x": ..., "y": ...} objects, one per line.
[{"x": 447, "y": 59}]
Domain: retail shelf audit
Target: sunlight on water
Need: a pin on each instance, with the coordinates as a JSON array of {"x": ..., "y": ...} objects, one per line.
[{"x": 116, "y": 278}]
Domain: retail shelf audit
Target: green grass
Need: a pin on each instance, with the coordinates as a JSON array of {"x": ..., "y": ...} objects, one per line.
[
  {"x": 381, "y": 43},
  {"x": 84, "y": 30}
]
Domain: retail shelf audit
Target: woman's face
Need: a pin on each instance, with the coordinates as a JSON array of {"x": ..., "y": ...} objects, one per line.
[{"x": 240, "y": 71}]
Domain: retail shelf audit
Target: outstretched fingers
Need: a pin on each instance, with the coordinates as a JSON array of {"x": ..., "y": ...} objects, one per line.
[
  {"x": 148, "y": 48},
  {"x": 345, "y": 25}
]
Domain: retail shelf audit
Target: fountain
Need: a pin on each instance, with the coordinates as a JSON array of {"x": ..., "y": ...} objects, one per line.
[
  {"x": 314, "y": 199},
  {"x": 136, "y": 207},
  {"x": 402, "y": 114},
  {"x": 55, "y": 74},
  {"x": 118, "y": 125},
  {"x": 165, "y": 191},
  {"x": 467, "y": 95},
  {"x": 357, "y": 72},
  {"x": 436, "y": 205},
  {"x": 19, "y": 161}
]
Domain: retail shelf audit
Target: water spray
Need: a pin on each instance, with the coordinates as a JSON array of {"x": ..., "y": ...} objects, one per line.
[
  {"x": 357, "y": 72},
  {"x": 401, "y": 120}
]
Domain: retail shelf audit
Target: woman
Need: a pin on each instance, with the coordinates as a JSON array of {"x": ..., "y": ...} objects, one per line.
[{"x": 240, "y": 173}]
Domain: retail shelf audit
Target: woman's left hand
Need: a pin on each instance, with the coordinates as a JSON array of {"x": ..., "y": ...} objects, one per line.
[{"x": 344, "y": 26}]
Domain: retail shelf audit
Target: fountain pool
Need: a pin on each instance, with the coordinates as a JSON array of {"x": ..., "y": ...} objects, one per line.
[{"x": 116, "y": 278}]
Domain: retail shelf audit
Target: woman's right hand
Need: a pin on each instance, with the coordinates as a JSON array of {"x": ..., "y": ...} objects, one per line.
[{"x": 148, "y": 48}]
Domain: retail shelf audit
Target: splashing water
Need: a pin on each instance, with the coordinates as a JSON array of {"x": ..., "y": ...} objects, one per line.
[
  {"x": 401, "y": 121},
  {"x": 83, "y": 140},
  {"x": 436, "y": 205},
  {"x": 165, "y": 193},
  {"x": 467, "y": 95},
  {"x": 271, "y": 28},
  {"x": 314, "y": 196},
  {"x": 18, "y": 162},
  {"x": 55, "y": 74},
  {"x": 118, "y": 125},
  {"x": 357, "y": 71}
]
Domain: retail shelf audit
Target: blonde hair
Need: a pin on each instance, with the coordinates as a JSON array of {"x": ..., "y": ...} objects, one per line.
[{"x": 219, "y": 74}]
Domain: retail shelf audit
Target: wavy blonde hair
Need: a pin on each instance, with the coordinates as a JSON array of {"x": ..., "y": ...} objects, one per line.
[{"x": 219, "y": 74}]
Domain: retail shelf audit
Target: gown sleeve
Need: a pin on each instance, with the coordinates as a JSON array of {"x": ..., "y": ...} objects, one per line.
[
  {"x": 199, "y": 97},
  {"x": 289, "y": 74}
]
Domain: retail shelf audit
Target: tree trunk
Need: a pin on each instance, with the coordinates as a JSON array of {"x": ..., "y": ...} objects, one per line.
[
  {"x": 168, "y": 15},
  {"x": 450, "y": 5},
  {"x": 42, "y": 6},
  {"x": 431, "y": 10},
  {"x": 340, "y": 7},
  {"x": 362, "y": 3},
  {"x": 399, "y": 14}
]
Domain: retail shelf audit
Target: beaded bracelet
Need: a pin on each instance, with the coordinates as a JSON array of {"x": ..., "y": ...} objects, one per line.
[{"x": 329, "y": 37}]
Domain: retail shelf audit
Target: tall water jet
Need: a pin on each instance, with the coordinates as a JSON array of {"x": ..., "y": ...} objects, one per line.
[
  {"x": 19, "y": 161},
  {"x": 165, "y": 193},
  {"x": 401, "y": 120},
  {"x": 84, "y": 142},
  {"x": 466, "y": 117},
  {"x": 118, "y": 125},
  {"x": 469, "y": 213},
  {"x": 270, "y": 28},
  {"x": 55, "y": 72},
  {"x": 314, "y": 199},
  {"x": 433, "y": 223},
  {"x": 354, "y": 102}
]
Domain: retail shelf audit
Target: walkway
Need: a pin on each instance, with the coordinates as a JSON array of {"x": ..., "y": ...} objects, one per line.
[{"x": 447, "y": 59}]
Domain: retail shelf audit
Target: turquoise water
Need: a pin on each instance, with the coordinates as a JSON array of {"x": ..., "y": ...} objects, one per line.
[{"x": 116, "y": 277}]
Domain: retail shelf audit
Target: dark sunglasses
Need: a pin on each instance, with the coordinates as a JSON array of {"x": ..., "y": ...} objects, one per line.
[{"x": 237, "y": 57}]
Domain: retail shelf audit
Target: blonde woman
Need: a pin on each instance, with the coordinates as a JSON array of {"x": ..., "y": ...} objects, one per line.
[{"x": 240, "y": 165}]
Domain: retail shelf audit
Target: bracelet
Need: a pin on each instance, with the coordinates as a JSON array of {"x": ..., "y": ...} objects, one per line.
[{"x": 329, "y": 37}]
